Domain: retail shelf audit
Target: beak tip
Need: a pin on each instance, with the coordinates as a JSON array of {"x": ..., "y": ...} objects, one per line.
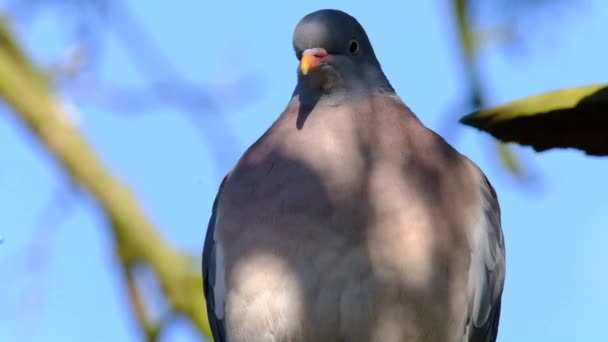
[{"x": 305, "y": 64}]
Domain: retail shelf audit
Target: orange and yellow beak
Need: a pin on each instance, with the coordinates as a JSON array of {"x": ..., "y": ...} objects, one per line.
[{"x": 311, "y": 59}]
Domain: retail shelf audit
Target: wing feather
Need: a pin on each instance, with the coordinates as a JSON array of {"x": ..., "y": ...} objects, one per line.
[
  {"x": 209, "y": 272},
  {"x": 487, "y": 270}
]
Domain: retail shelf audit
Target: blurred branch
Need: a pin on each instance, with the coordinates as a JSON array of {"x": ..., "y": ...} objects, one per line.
[
  {"x": 55, "y": 211},
  {"x": 164, "y": 84},
  {"x": 470, "y": 44},
  {"x": 137, "y": 303},
  {"x": 149, "y": 58},
  {"x": 32, "y": 103}
]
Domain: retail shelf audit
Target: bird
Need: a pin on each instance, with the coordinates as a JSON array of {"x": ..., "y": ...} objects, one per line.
[{"x": 348, "y": 219}]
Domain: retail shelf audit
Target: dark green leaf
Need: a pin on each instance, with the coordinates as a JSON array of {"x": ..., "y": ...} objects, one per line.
[{"x": 566, "y": 118}]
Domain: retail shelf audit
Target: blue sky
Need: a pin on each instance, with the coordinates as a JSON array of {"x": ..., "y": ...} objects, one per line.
[{"x": 555, "y": 226}]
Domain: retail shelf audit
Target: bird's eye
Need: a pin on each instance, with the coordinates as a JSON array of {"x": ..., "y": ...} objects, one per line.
[{"x": 353, "y": 47}]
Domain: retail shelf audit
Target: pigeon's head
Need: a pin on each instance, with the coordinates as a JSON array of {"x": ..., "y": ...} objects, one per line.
[{"x": 336, "y": 54}]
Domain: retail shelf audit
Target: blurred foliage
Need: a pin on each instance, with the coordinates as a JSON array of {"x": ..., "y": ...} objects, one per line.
[
  {"x": 32, "y": 101},
  {"x": 138, "y": 245},
  {"x": 567, "y": 118},
  {"x": 472, "y": 39}
]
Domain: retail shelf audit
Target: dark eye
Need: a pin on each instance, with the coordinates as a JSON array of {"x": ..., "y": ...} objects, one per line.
[{"x": 353, "y": 47}]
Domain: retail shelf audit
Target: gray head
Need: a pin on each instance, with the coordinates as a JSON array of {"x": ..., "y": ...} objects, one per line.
[{"x": 336, "y": 56}]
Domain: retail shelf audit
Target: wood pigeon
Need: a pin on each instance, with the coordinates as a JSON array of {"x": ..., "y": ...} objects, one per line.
[{"x": 348, "y": 219}]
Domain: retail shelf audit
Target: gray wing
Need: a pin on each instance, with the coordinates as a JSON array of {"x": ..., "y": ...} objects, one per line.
[
  {"x": 487, "y": 271},
  {"x": 216, "y": 323}
]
